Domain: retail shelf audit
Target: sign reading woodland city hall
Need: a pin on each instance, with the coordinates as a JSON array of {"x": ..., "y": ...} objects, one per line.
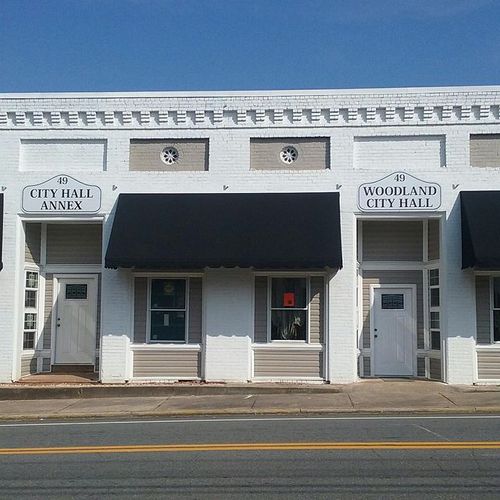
[
  {"x": 61, "y": 194},
  {"x": 399, "y": 192}
]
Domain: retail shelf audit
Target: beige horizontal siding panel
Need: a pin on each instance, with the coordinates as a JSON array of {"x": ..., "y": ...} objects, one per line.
[
  {"x": 260, "y": 312},
  {"x": 281, "y": 362},
  {"x": 419, "y": 152},
  {"x": 387, "y": 278},
  {"x": 313, "y": 153},
  {"x": 174, "y": 363},
  {"x": 74, "y": 244},
  {"x": 140, "y": 309},
  {"x": 28, "y": 365},
  {"x": 392, "y": 241},
  {"x": 316, "y": 307},
  {"x": 485, "y": 150},
  {"x": 195, "y": 311},
  {"x": 145, "y": 155},
  {"x": 33, "y": 237},
  {"x": 433, "y": 250},
  {"x": 47, "y": 311},
  {"x": 483, "y": 320}
]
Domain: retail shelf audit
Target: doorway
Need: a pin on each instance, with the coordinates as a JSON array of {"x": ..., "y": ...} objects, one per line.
[
  {"x": 76, "y": 321},
  {"x": 393, "y": 330}
]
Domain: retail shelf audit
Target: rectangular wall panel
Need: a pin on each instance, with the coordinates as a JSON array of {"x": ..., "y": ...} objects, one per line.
[
  {"x": 146, "y": 155},
  {"x": 485, "y": 150},
  {"x": 313, "y": 153},
  {"x": 392, "y": 240},
  {"x": 74, "y": 244},
  {"x": 61, "y": 156},
  {"x": 420, "y": 152},
  {"x": 172, "y": 363},
  {"x": 287, "y": 363}
]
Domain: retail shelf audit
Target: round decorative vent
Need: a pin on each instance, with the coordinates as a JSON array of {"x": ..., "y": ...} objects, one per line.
[
  {"x": 289, "y": 154},
  {"x": 169, "y": 155}
]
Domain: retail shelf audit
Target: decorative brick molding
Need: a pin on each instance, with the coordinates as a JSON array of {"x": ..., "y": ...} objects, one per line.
[{"x": 287, "y": 109}]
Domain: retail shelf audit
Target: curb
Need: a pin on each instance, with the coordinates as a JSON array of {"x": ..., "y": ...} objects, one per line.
[
  {"x": 265, "y": 411},
  {"x": 96, "y": 391}
]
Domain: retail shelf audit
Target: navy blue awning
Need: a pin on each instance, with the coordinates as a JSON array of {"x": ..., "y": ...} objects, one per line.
[
  {"x": 480, "y": 212},
  {"x": 259, "y": 230}
]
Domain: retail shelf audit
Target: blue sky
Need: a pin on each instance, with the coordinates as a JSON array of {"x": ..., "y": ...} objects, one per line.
[{"x": 128, "y": 45}]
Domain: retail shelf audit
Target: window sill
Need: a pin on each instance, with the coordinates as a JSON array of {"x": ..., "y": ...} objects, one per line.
[
  {"x": 288, "y": 344},
  {"x": 494, "y": 346},
  {"x": 164, "y": 346}
]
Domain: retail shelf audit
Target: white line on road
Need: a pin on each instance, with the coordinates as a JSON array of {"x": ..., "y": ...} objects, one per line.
[{"x": 250, "y": 419}]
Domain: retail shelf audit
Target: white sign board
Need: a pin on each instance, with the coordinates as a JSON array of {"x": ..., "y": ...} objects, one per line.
[
  {"x": 399, "y": 192},
  {"x": 61, "y": 194}
]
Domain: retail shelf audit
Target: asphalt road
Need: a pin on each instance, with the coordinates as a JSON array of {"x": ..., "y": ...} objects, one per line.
[{"x": 293, "y": 457}]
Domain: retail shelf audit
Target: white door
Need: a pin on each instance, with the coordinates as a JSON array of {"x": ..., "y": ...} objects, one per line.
[
  {"x": 393, "y": 331},
  {"x": 76, "y": 321}
]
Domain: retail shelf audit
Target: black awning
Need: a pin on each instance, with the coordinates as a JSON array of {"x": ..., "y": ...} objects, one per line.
[
  {"x": 1, "y": 229},
  {"x": 192, "y": 231},
  {"x": 480, "y": 229}
]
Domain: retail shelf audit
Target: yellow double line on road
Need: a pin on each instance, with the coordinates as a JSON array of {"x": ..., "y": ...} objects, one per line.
[{"x": 177, "y": 448}]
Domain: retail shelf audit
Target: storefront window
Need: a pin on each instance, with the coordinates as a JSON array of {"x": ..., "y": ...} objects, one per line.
[
  {"x": 168, "y": 310},
  {"x": 289, "y": 309}
]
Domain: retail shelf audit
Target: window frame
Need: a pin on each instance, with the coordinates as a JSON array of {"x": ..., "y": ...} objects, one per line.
[
  {"x": 492, "y": 310},
  {"x": 434, "y": 309},
  {"x": 31, "y": 310},
  {"x": 149, "y": 340},
  {"x": 270, "y": 309}
]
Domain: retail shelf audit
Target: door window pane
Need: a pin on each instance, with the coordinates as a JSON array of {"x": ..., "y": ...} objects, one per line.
[
  {"x": 29, "y": 340},
  {"x": 168, "y": 294},
  {"x": 288, "y": 325},
  {"x": 289, "y": 293},
  {"x": 168, "y": 326},
  {"x": 393, "y": 301},
  {"x": 30, "y": 321},
  {"x": 76, "y": 291}
]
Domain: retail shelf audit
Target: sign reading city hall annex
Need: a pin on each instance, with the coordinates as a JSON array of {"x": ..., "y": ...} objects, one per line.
[
  {"x": 61, "y": 194},
  {"x": 398, "y": 192}
]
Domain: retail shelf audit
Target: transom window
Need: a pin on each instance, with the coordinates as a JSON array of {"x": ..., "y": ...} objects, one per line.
[
  {"x": 289, "y": 301},
  {"x": 496, "y": 309},
  {"x": 168, "y": 310}
]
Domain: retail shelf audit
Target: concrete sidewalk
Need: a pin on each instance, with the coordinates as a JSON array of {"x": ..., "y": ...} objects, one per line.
[{"x": 368, "y": 396}]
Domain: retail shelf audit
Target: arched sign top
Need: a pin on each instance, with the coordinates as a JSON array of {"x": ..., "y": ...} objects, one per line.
[
  {"x": 61, "y": 194},
  {"x": 399, "y": 192}
]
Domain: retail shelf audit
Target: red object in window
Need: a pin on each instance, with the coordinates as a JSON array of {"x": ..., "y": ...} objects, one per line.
[{"x": 288, "y": 299}]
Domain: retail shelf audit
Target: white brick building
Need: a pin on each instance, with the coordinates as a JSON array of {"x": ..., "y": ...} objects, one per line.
[{"x": 246, "y": 284}]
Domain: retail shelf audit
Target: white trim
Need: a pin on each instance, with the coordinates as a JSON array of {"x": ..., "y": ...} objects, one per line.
[
  {"x": 291, "y": 380},
  {"x": 165, "y": 347},
  {"x": 425, "y": 240},
  {"x": 163, "y": 379},
  {"x": 288, "y": 344},
  {"x": 413, "y": 287},
  {"x": 71, "y": 219},
  {"x": 43, "y": 245}
]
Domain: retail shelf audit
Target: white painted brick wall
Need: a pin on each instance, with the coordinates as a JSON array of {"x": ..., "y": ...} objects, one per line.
[{"x": 229, "y": 166}]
